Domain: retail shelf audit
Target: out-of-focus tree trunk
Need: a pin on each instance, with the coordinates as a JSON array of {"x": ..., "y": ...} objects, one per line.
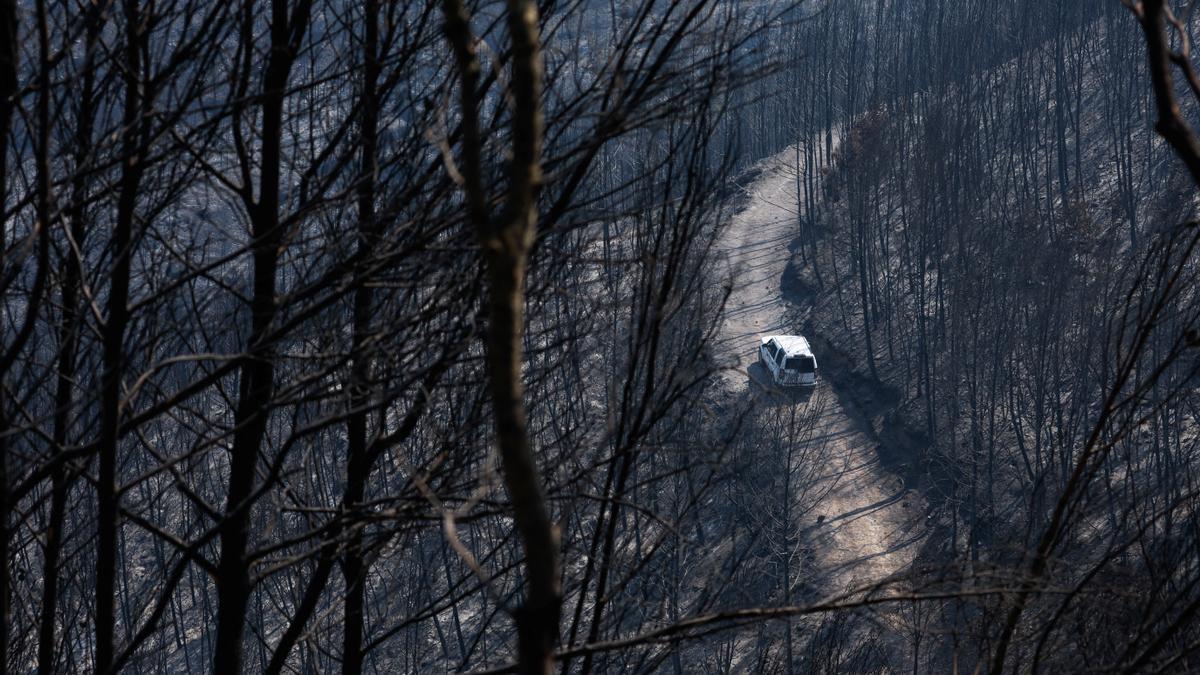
[
  {"x": 69, "y": 330},
  {"x": 506, "y": 240},
  {"x": 1171, "y": 124},
  {"x": 8, "y": 89},
  {"x": 132, "y": 170}
]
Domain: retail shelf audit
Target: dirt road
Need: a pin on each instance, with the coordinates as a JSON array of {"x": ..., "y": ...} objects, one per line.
[{"x": 862, "y": 524}]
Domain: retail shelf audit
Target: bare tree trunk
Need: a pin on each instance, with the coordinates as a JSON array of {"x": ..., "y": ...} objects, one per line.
[
  {"x": 44, "y": 198},
  {"x": 506, "y": 251},
  {"x": 505, "y": 242},
  {"x": 132, "y": 170},
  {"x": 9, "y": 55},
  {"x": 256, "y": 383},
  {"x": 1171, "y": 124},
  {"x": 358, "y": 465},
  {"x": 68, "y": 346},
  {"x": 8, "y": 88}
]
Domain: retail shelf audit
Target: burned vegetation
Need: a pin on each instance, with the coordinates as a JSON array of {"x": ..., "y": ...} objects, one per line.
[{"x": 643, "y": 335}]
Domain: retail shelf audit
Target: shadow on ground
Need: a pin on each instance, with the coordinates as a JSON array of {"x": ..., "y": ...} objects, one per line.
[{"x": 766, "y": 392}]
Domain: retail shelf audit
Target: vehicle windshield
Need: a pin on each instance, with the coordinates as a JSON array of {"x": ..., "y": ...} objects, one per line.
[{"x": 802, "y": 364}]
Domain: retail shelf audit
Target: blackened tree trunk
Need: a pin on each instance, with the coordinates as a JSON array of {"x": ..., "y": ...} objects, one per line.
[
  {"x": 8, "y": 88},
  {"x": 257, "y": 369},
  {"x": 69, "y": 326},
  {"x": 358, "y": 465},
  {"x": 134, "y": 122}
]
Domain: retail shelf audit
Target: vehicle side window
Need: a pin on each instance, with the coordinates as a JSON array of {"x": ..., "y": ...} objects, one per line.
[{"x": 773, "y": 350}]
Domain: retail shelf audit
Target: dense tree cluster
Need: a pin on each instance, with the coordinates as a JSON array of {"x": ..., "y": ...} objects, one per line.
[
  {"x": 384, "y": 335},
  {"x": 1006, "y": 248},
  {"x": 246, "y": 422}
]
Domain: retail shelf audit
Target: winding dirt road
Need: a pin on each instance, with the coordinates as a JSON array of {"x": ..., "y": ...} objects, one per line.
[{"x": 859, "y": 521}]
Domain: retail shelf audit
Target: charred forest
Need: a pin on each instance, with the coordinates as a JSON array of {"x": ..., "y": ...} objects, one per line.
[{"x": 454, "y": 336}]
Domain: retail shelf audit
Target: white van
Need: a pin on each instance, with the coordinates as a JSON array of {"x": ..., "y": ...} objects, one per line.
[{"x": 789, "y": 359}]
